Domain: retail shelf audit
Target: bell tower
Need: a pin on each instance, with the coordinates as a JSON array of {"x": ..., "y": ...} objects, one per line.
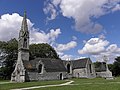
[
  {"x": 23, "y": 43},
  {"x": 18, "y": 74}
]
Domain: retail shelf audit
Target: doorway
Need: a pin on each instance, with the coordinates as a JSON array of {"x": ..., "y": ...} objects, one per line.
[
  {"x": 68, "y": 68},
  {"x": 61, "y": 76}
]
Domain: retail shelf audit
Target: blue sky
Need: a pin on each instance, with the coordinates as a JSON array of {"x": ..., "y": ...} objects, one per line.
[{"x": 75, "y": 28}]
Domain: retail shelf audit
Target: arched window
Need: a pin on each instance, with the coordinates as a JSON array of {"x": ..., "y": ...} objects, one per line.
[
  {"x": 68, "y": 68},
  {"x": 25, "y": 43},
  {"x": 90, "y": 67},
  {"x": 78, "y": 75},
  {"x": 40, "y": 68}
]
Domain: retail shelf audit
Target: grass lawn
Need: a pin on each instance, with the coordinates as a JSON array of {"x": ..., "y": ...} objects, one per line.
[
  {"x": 79, "y": 84},
  {"x": 4, "y": 80},
  {"x": 90, "y": 84},
  {"x": 28, "y": 84}
]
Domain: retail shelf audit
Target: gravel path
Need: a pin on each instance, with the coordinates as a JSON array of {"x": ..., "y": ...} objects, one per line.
[
  {"x": 5, "y": 82},
  {"x": 35, "y": 87}
]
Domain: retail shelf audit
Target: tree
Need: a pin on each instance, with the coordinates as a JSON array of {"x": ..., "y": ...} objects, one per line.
[
  {"x": 115, "y": 68},
  {"x": 110, "y": 66},
  {"x": 100, "y": 66},
  {"x": 10, "y": 50},
  {"x": 42, "y": 51}
]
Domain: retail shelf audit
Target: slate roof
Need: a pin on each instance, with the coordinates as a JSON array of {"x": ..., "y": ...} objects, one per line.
[
  {"x": 80, "y": 63},
  {"x": 76, "y": 64},
  {"x": 50, "y": 65}
]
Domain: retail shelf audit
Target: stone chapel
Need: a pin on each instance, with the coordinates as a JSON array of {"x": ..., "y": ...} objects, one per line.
[{"x": 46, "y": 68}]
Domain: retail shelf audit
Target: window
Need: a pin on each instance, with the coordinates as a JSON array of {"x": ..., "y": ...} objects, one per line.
[
  {"x": 90, "y": 67},
  {"x": 25, "y": 43},
  {"x": 40, "y": 68},
  {"x": 68, "y": 68},
  {"x": 78, "y": 75}
]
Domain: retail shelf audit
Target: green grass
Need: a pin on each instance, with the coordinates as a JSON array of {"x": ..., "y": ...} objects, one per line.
[
  {"x": 28, "y": 84},
  {"x": 4, "y": 80},
  {"x": 79, "y": 84},
  {"x": 89, "y": 84}
]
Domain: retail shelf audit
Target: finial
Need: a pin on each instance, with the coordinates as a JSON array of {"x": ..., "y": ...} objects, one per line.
[
  {"x": 25, "y": 14},
  {"x": 24, "y": 22}
]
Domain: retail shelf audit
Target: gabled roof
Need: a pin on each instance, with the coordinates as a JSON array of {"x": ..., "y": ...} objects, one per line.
[
  {"x": 80, "y": 63},
  {"x": 50, "y": 65},
  {"x": 77, "y": 64}
]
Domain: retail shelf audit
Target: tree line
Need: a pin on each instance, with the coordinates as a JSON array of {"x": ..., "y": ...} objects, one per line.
[{"x": 115, "y": 67}]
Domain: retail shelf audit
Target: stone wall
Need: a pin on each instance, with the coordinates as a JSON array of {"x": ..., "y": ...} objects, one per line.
[
  {"x": 23, "y": 55},
  {"x": 91, "y": 74},
  {"x": 18, "y": 74},
  {"x": 46, "y": 76},
  {"x": 80, "y": 73},
  {"x": 104, "y": 74}
]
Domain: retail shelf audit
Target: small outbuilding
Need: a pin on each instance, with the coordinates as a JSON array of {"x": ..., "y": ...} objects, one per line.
[{"x": 81, "y": 68}]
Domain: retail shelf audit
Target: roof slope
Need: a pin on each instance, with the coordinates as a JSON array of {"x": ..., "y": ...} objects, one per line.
[
  {"x": 50, "y": 65},
  {"x": 80, "y": 63}
]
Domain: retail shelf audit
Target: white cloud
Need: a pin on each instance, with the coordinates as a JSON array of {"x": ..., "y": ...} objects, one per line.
[
  {"x": 79, "y": 58},
  {"x": 64, "y": 47},
  {"x": 99, "y": 47},
  {"x": 71, "y": 57},
  {"x": 82, "y": 11},
  {"x": 102, "y": 36},
  {"x": 42, "y": 37},
  {"x": 113, "y": 48},
  {"x": 61, "y": 48},
  {"x": 94, "y": 46},
  {"x": 66, "y": 57},
  {"x": 74, "y": 37},
  {"x": 50, "y": 9},
  {"x": 116, "y": 8},
  {"x": 10, "y": 26}
]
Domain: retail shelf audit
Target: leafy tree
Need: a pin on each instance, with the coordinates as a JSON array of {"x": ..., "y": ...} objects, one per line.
[
  {"x": 100, "y": 66},
  {"x": 10, "y": 50},
  {"x": 115, "y": 68},
  {"x": 42, "y": 51},
  {"x": 110, "y": 66}
]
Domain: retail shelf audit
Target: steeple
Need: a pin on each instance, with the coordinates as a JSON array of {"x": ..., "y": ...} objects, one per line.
[
  {"x": 24, "y": 26},
  {"x": 24, "y": 34},
  {"x": 23, "y": 43},
  {"x": 18, "y": 74}
]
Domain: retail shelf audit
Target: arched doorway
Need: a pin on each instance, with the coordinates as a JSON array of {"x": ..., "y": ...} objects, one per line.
[
  {"x": 68, "y": 68},
  {"x": 40, "y": 68},
  {"x": 61, "y": 76}
]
